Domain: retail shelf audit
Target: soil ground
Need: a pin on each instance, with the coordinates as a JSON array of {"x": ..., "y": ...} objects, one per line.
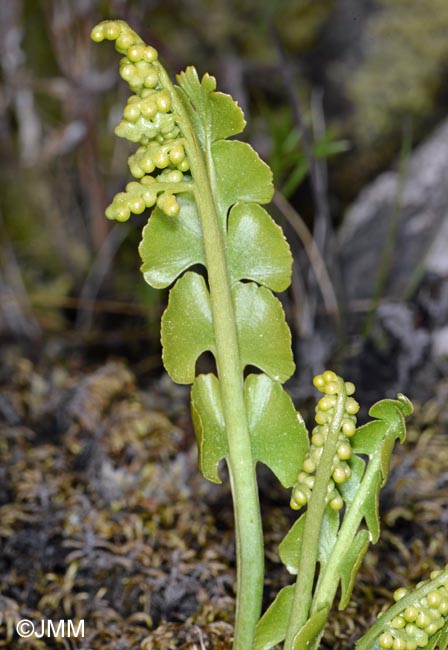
[{"x": 105, "y": 518}]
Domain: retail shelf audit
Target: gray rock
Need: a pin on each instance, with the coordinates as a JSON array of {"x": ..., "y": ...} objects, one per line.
[
  {"x": 440, "y": 343},
  {"x": 420, "y": 243}
]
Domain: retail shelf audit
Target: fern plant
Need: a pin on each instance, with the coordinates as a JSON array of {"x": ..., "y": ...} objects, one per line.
[{"x": 206, "y": 193}]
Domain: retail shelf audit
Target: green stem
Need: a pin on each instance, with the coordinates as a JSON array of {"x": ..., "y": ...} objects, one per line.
[
  {"x": 249, "y": 540},
  {"x": 329, "y": 579},
  {"x": 248, "y": 530},
  {"x": 309, "y": 548},
  {"x": 367, "y": 641}
]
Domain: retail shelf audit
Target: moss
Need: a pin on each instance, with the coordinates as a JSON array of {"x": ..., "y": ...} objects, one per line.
[
  {"x": 238, "y": 26},
  {"x": 402, "y": 74},
  {"x": 300, "y": 22}
]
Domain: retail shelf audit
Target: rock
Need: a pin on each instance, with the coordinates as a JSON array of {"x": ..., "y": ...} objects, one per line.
[
  {"x": 420, "y": 242},
  {"x": 440, "y": 343}
]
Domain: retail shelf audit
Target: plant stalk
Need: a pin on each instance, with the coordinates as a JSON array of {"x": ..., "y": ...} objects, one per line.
[
  {"x": 249, "y": 538},
  {"x": 329, "y": 580},
  {"x": 248, "y": 529},
  {"x": 367, "y": 641},
  {"x": 328, "y": 583},
  {"x": 303, "y": 592}
]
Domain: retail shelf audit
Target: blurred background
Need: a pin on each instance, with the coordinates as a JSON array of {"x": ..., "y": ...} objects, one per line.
[{"x": 345, "y": 99}]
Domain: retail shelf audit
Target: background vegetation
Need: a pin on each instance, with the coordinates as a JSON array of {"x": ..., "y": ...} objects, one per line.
[{"x": 329, "y": 89}]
